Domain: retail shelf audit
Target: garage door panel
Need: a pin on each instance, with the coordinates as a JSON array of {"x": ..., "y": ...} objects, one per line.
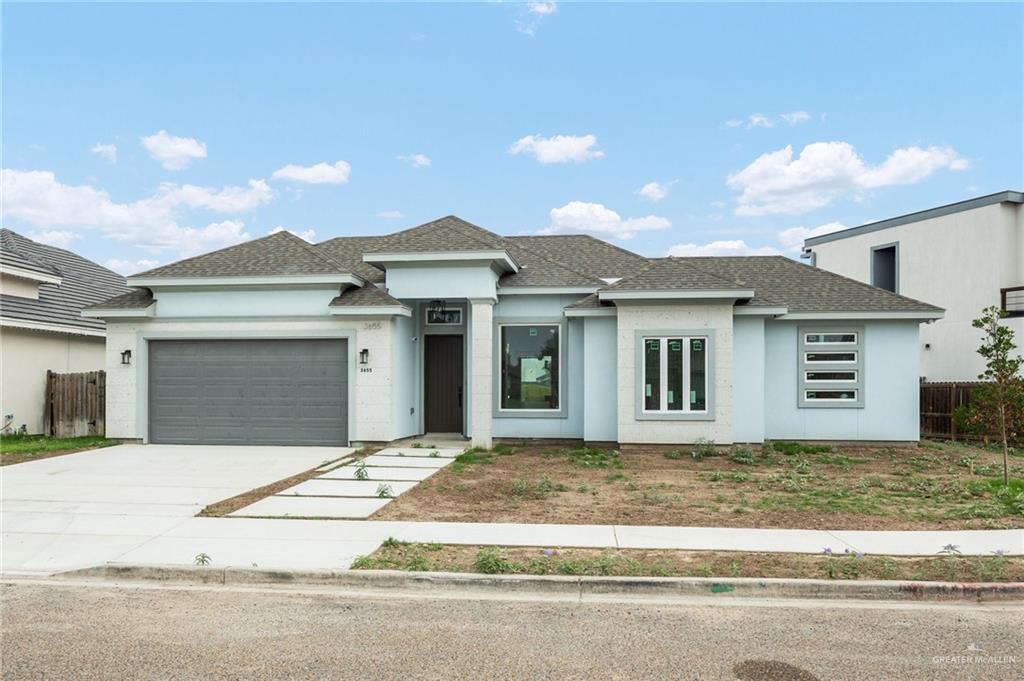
[{"x": 249, "y": 391}]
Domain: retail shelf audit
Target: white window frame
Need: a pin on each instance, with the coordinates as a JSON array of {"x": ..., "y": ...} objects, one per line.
[
  {"x": 808, "y": 379},
  {"x": 426, "y": 317},
  {"x": 812, "y": 362},
  {"x": 839, "y": 400},
  {"x": 501, "y": 373},
  {"x": 663, "y": 375},
  {"x": 855, "y": 334}
]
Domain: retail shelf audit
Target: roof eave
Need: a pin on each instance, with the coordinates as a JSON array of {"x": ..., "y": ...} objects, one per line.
[
  {"x": 591, "y": 312},
  {"x": 684, "y": 294},
  {"x": 922, "y": 315},
  {"x": 15, "y": 323},
  {"x": 501, "y": 258},
  {"x": 284, "y": 280},
  {"x": 30, "y": 274},
  {"x": 546, "y": 290},
  {"x": 370, "y": 311},
  {"x": 120, "y": 312}
]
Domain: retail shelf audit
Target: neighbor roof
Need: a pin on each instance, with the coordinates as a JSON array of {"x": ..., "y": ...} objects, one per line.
[
  {"x": 82, "y": 283},
  {"x": 931, "y": 213}
]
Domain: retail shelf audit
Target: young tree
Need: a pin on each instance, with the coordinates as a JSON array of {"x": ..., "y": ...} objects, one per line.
[{"x": 997, "y": 407}]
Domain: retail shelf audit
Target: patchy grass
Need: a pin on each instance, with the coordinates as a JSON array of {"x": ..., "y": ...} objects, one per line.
[
  {"x": 395, "y": 555},
  {"x": 21, "y": 448},
  {"x": 798, "y": 485}
]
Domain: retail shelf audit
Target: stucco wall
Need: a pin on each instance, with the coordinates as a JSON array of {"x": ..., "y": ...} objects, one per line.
[
  {"x": 890, "y": 409},
  {"x": 371, "y": 410},
  {"x": 446, "y": 280},
  {"x": 717, "y": 320},
  {"x": 748, "y": 379},
  {"x": 26, "y": 357},
  {"x": 404, "y": 350},
  {"x": 600, "y": 419},
  {"x": 292, "y": 302},
  {"x": 958, "y": 262}
]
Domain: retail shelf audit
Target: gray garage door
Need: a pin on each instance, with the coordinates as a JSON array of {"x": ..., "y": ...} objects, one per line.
[{"x": 284, "y": 392}]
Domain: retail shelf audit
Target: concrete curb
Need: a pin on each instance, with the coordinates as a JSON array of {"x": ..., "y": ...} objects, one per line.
[{"x": 577, "y": 587}]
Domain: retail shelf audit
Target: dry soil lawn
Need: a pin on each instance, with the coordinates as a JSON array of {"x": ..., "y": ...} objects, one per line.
[{"x": 934, "y": 486}]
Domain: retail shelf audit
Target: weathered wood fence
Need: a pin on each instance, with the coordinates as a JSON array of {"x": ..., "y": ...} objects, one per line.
[
  {"x": 75, "y": 404},
  {"x": 938, "y": 402}
]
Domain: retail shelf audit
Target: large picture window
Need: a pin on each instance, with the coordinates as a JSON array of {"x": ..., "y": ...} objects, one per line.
[
  {"x": 530, "y": 367},
  {"x": 675, "y": 374}
]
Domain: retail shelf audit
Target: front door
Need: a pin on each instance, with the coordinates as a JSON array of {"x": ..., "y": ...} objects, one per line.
[{"x": 442, "y": 380}]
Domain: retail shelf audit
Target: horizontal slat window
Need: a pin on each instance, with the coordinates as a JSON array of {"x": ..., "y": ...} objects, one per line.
[
  {"x": 831, "y": 366},
  {"x": 831, "y": 357},
  {"x": 830, "y": 338},
  {"x": 830, "y": 376},
  {"x": 831, "y": 395}
]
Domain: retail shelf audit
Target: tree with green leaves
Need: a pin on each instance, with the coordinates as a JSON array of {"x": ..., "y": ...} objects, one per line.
[{"x": 997, "y": 406}]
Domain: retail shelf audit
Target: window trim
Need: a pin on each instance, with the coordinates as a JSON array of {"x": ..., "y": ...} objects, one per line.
[
  {"x": 563, "y": 398},
  {"x": 831, "y": 344},
  {"x": 806, "y": 367},
  {"x": 640, "y": 413},
  {"x": 427, "y": 322},
  {"x": 895, "y": 246}
]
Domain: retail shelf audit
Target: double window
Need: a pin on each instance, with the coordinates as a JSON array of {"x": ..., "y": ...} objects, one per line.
[
  {"x": 675, "y": 374},
  {"x": 530, "y": 369},
  {"x": 831, "y": 367}
]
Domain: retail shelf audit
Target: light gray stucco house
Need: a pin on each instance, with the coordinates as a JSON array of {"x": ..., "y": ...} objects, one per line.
[{"x": 447, "y": 327}]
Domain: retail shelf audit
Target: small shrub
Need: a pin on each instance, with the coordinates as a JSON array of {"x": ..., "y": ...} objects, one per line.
[
  {"x": 742, "y": 455},
  {"x": 392, "y": 543},
  {"x": 587, "y": 457},
  {"x": 703, "y": 449},
  {"x": 793, "y": 448},
  {"x": 202, "y": 559},
  {"x": 674, "y": 454},
  {"x": 490, "y": 561},
  {"x": 384, "y": 491},
  {"x": 361, "y": 472},
  {"x": 502, "y": 449}
]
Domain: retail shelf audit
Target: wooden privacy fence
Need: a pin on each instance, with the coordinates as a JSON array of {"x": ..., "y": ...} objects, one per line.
[
  {"x": 938, "y": 402},
  {"x": 75, "y": 404}
]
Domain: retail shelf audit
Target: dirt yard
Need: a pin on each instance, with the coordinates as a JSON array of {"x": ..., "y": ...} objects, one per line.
[{"x": 934, "y": 486}]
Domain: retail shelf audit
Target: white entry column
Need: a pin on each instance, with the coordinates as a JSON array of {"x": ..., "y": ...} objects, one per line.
[{"x": 482, "y": 369}]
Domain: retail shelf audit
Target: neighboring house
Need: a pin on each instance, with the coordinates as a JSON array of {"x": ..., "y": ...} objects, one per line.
[
  {"x": 965, "y": 257},
  {"x": 447, "y": 327},
  {"x": 42, "y": 292}
]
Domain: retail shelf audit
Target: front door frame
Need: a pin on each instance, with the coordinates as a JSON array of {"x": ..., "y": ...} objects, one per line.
[{"x": 459, "y": 341}]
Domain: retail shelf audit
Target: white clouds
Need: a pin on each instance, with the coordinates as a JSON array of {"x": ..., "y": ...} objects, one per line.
[
  {"x": 152, "y": 223},
  {"x": 578, "y": 217},
  {"x": 391, "y": 214},
  {"x": 792, "y": 239},
  {"x": 54, "y": 237},
  {"x": 528, "y": 20},
  {"x": 320, "y": 173},
  {"x": 655, "y": 191},
  {"x": 107, "y": 151},
  {"x": 416, "y": 160},
  {"x": 776, "y": 183},
  {"x": 173, "y": 153},
  {"x": 759, "y": 120},
  {"x": 308, "y": 234},
  {"x": 717, "y": 248},
  {"x": 558, "y": 149},
  {"x": 795, "y": 117},
  {"x": 127, "y": 267}
]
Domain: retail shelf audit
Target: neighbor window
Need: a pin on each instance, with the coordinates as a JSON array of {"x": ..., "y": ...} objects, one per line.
[
  {"x": 675, "y": 370},
  {"x": 530, "y": 359},
  {"x": 885, "y": 267},
  {"x": 831, "y": 367}
]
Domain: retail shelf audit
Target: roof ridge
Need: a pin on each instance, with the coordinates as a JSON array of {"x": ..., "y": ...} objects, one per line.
[
  {"x": 581, "y": 234},
  {"x": 312, "y": 249},
  {"x": 661, "y": 262},
  {"x": 9, "y": 240}
]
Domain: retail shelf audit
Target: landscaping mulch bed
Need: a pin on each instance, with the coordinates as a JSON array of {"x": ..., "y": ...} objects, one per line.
[
  {"x": 23, "y": 448},
  {"x": 394, "y": 555},
  {"x": 783, "y": 485}
]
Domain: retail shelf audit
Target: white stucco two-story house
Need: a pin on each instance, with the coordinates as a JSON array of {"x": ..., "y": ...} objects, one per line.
[
  {"x": 964, "y": 256},
  {"x": 450, "y": 328}
]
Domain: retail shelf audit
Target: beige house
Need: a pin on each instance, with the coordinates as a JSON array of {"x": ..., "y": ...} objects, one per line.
[{"x": 42, "y": 292}]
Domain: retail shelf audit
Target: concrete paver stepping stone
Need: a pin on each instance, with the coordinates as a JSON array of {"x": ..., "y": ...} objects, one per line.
[
  {"x": 406, "y": 461},
  {"x": 379, "y": 473},
  {"x": 348, "y": 488},
  {"x": 312, "y": 507},
  {"x": 446, "y": 453}
]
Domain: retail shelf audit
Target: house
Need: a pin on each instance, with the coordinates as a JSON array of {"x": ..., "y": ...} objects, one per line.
[
  {"x": 450, "y": 328},
  {"x": 964, "y": 256},
  {"x": 42, "y": 292}
]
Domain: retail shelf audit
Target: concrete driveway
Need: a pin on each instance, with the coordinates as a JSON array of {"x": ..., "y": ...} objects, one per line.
[{"x": 91, "y": 507}]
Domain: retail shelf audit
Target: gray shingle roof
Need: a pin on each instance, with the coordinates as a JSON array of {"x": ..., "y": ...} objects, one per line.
[
  {"x": 591, "y": 302},
  {"x": 83, "y": 283},
  {"x": 135, "y": 299},
  {"x": 369, "y": 295},
  {"x": 449, "y": 233},
  {"x": 278, "y": 254},
  {"x": 349, "y": 250},
  {"x": 584, "y": 253},
  {"x": 675, "y": 274},
  {"x": 801, "y": 288}
]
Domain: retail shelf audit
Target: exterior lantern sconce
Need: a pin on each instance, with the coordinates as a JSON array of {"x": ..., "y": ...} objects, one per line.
[
  {"x": 126, "y": 357},
  {"x": 364, "y": 356}
]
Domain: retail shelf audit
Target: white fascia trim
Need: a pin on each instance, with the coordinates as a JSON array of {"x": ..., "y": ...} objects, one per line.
[
  {"x": 286, "y": 280},
  {"x": 862, "y": 315},
  {"x": 545, "y": 290},
  {"x": 371, "y": 311},
  {"x": 31, "y": 275},
  {"x": 111, "y": 312},
  {"x": 592, "y": 312},
  {"x": 759, "y": 311},
  {"x": 385, "y": 257},
  {"x": 55, "y": 328},
  {"x": 689, "y": 294}
]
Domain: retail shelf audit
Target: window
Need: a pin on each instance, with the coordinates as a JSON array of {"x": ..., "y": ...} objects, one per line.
[
  {"x": 675, "y": 374},
  {"x": 885, "y": 267},
  {"x": 530, "y": 372},
  {"x": 831, "y": 367},
  {"x": 445, "y": 317}
]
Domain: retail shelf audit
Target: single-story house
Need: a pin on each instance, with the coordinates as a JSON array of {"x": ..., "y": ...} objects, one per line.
[
  {"x": 448, "y": 327},
  {"x": 42, "y": 292}
]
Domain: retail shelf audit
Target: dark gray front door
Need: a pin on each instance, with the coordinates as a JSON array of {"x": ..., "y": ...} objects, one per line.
[
  {"x": 282, "y": 392},
  {"x": 442, "y": 379}
]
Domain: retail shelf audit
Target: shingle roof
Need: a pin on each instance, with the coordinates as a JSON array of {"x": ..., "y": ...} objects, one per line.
[
  {"x": 449, "y": 233},
  {"x": 136, "y": 299},
  {"x": 369, "y": 295},
  {"x": 83, "y": 283},
  {"x": 278, "y": 254},
  {"x": 591, "y": 302},
  {"x": 584, "y": 253},
  {"x": 675, "y": 274},
  {"x": 802, "y": 288},
  {"x": 349, "y": 250}
]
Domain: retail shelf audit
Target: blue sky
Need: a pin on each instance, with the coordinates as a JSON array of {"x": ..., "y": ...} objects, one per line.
[{"x": 139, "y": 134}]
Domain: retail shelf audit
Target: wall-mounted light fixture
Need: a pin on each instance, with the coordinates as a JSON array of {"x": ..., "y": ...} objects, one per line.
[
  {"x": 126, "y": 357},
  {"x": 364, "y": 356}
]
